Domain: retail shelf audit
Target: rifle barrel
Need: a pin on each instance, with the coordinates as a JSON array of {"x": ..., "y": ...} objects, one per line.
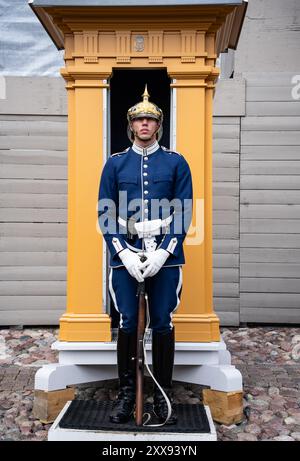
[{"x": 139, "y": 408}]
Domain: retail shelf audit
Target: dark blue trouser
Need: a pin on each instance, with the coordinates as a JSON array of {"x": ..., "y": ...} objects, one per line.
[{"x": 163, "y": 289}]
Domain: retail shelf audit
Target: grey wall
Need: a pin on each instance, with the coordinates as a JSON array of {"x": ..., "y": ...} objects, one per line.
[
  {"x": 270, "y": 37},
  {"x": 229, "y": 107},
  {"x": 268, "y": 58},
  {"x": 33, "y": 201}
]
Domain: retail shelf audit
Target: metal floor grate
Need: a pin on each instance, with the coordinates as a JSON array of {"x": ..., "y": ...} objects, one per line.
[{"x": 94, "y": 415}]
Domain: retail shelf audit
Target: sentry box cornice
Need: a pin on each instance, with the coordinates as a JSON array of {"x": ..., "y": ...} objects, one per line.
[{"x": 227, "y": 37}]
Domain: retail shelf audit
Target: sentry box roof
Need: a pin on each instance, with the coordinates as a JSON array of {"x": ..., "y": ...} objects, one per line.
[{"x": 230, "y": 29}]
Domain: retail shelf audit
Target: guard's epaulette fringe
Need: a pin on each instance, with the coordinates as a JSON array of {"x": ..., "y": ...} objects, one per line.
[
  {"x": 170, "y": 151},
  {"x": 120, "y": 153}
]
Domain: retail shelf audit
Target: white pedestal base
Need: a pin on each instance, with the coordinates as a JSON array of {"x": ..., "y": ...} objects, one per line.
[
  {"x": 206, "y": 364},
  {"x": 59, "y": 434}
]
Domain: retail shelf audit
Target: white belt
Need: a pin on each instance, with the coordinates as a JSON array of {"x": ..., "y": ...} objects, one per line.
[{"x": 148, "y": 228}]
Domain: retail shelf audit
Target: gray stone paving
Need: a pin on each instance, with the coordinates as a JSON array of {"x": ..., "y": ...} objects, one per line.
[{"x": 268, "y": 358}]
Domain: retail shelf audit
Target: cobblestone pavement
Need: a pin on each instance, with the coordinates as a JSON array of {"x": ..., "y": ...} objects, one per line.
[{"x": 268, "y": 358}]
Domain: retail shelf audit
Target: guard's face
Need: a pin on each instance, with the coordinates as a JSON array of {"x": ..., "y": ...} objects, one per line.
[{"x": 145, "y": 128}]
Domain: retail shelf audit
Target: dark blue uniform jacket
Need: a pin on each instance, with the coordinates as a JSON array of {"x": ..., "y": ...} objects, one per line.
[{"x": 130, "y": 182}]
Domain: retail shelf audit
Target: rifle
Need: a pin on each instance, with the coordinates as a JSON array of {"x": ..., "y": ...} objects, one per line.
[{"x": 139, "y": 402}]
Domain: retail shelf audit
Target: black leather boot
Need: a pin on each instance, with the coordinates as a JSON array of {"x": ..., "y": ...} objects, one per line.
[
  {"x": 126, "y": 353},
  {"x": 163, "y": 349}
]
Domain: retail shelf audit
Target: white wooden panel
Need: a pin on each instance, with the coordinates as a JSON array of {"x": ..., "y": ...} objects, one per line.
[
  {"x": 269, "y": 152},
  {"x": 33, "y": 273},
  {"x": 33, "y": 229},
  {"x": 256, "y": 240},
  {"x": 35, "y": 95},
  {"x": 225, "y": 231},
  {"x": 33, "y": 200},
  {"x": 33, "y": 215},
  {"x": 269, "y": 93},
  {"x": 270, "y": 138},
  {"x": 33, "y": 186},
  {"x": 34, "y": 142},
  {"x": 222, "y": 189},
  {"x": 269, "y": 285},
  {"x": 226, "y": 304},
  {"x": 37, "y": 258},
  {"x": 226, "y": 161},
  {"x": 226, "y": 145},
  {"x": 227, "y": 120},
  {"x": 278, "y": 167},
  {"x": 226, "y": 131},
  {"x": 225, "y": 174},
  {"x": 270, "y": 182},
  {"x": 32, "y": 302},
  {"x": 225, "y": 274},
  {"x": 274, "y": 315},
  {"x": 225, "y": 246},
  {"x": 271, "y": 300},
  {"x": 226, "y": 203},
  {"x": 226, "y": 289},
  {"x": 225, "y": 217},
  {"x": 31, "y": 317},
  {"x": 34, "y": 157},
  {"x": 228, "y": 318},
  {"x": 32, "y": 288},
  {"x": 224, "y": 101},
  {"x": 225, "y": 260},
  {"x": 35, "y": 117},
  {"x": 286, "y": 270},
  {"x": 33, "y": 128},
  {"x": 287, "y": 197},
  {"x": 273, "y": 108},
  {"x": 33, "y": 244},
  {"x": 270, "y": 211},
  {"x": 274, "y": 226},
  {"x": 33, "y": 171},
  {"x": 266, "y": 255},
  {"x": 270, "y": 123},
  {"x": 269, "y": 78}
]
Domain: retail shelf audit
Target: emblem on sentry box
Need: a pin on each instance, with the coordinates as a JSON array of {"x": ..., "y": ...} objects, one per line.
[{"x": 139, "y": 43}]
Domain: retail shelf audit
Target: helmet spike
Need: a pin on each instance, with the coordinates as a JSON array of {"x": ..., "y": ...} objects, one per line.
[{"x": 146, "y": 95}]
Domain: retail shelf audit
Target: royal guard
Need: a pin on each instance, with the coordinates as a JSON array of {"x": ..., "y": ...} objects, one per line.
[{"x": 145, "y": 209}]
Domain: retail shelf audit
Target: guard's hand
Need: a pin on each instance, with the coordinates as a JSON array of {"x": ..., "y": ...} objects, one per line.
[
  {"x": 154, "y": 262},
  {"x": 132, "y": 263}
]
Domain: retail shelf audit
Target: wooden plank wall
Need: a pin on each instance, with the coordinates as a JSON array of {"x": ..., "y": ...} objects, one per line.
[
  {"x": 226, "y": 219},
  {"x": 270, "y": 201},
  {"x": 229, "y": 107},
  {"x": 33, "y": 201}
]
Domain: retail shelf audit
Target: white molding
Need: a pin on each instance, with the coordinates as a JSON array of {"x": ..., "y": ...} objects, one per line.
[
  {"x": 102, "y": 346},
  {"x": 81, "y": 362},
  {"x": 173, "y": 118}
]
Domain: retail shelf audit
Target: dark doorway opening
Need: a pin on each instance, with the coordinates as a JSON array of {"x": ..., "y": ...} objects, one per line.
[{"x": 126, "y": 89}]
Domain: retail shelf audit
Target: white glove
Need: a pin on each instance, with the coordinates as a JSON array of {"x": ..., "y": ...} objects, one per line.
[
  {"x": 132, "y": 263},
  {"x": 155, "y": 261}
]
